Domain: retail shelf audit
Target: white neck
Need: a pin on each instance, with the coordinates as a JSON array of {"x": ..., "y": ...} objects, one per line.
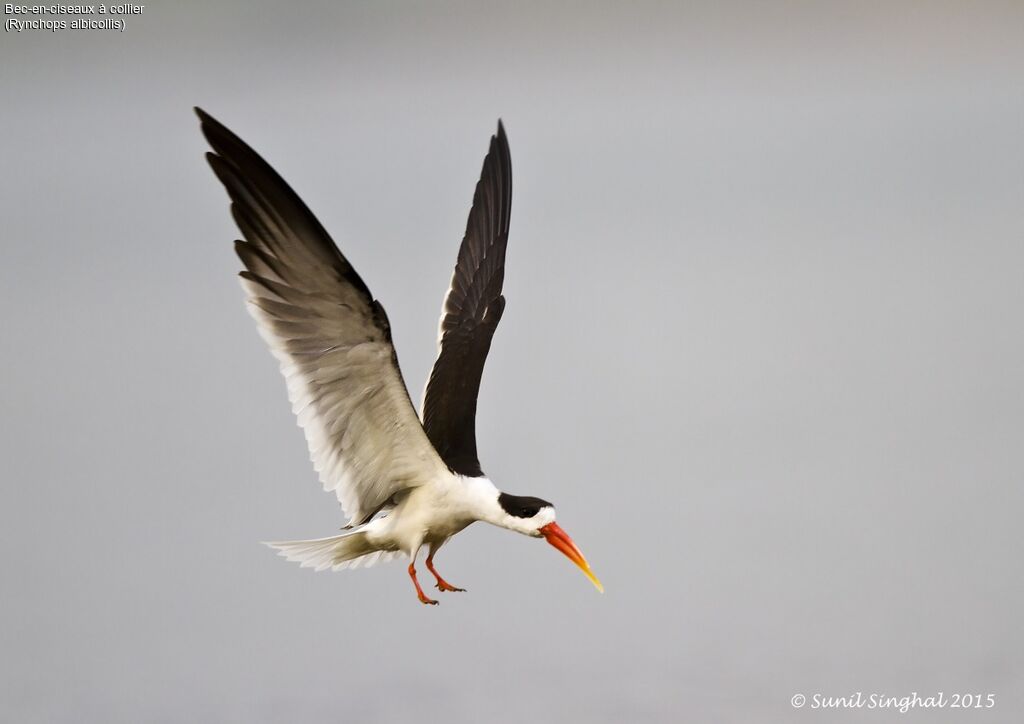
[{"x": 482, "y": 499}]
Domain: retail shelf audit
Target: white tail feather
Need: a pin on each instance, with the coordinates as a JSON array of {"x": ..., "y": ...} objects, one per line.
[{"x": 348, "y": 550}]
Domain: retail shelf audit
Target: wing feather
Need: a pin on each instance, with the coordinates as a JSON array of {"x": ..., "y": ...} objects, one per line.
[
  {"x": 472, "y": 309},
  {"x": 331, "y": 338}
]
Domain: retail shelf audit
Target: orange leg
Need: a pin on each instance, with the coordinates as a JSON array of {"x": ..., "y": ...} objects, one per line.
[
  {"x": 441, "y": 583},
  {"x": 419, "y": 591}
]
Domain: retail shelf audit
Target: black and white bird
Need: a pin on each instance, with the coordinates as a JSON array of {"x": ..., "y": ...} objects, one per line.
[{"x": 404, "y": 482}]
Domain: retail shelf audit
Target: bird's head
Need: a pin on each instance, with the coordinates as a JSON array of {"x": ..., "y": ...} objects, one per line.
[{"x": 536, "y": 518}]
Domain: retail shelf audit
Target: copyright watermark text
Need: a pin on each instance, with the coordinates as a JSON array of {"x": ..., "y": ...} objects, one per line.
[{"x": 901, "y": 703}]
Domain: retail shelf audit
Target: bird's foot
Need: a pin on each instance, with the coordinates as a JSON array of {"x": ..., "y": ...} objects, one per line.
[
  {"x": 419, "y": 591},
  {"x": 443, "y": 585}
]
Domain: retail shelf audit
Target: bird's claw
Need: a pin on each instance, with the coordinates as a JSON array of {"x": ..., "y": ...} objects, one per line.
[
  {"x": 428, "y": 601},
  {"x": 445, "y": 586}
]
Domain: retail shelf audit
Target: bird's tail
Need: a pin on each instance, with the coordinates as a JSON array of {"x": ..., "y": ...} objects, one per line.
[{"x": 348, "y": 550}]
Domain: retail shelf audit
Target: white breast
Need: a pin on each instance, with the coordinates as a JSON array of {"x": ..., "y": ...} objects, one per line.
[{"x": 433, "y": 513}]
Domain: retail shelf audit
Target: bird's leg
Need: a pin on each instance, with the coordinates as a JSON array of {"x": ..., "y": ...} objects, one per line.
[
  {"x": 441, "y": 583},
  {"x": 419, "y": 591}
]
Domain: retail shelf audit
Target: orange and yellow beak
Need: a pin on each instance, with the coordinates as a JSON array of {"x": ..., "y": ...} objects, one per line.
[{"x": 561, "y": 540}]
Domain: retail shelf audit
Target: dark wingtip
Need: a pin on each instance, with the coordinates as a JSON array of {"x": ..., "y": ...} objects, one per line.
[
  {"x": 210, "y": 127},
  {"x": 501, "y": 140},
  {"x": 214, "y": 160},
  {"x": 205, "y": 119},
  {"x": 216, "y": 133}
]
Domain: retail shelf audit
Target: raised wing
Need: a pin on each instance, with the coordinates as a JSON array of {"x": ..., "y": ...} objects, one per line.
[
  {"x": 471, "y": 312},
  {"x": 331, "y": 337}
]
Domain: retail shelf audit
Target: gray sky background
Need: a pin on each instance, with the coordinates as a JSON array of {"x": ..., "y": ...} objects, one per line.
[{"x": 764, "y": 348}]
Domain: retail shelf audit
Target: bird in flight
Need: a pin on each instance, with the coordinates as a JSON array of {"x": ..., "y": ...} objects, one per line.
[{"x": 404, "y": 482}]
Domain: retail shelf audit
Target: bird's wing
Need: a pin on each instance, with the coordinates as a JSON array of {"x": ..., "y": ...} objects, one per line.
[
  {"x": 331, "y": 337},
  {"x": 471, "y": 312}
]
